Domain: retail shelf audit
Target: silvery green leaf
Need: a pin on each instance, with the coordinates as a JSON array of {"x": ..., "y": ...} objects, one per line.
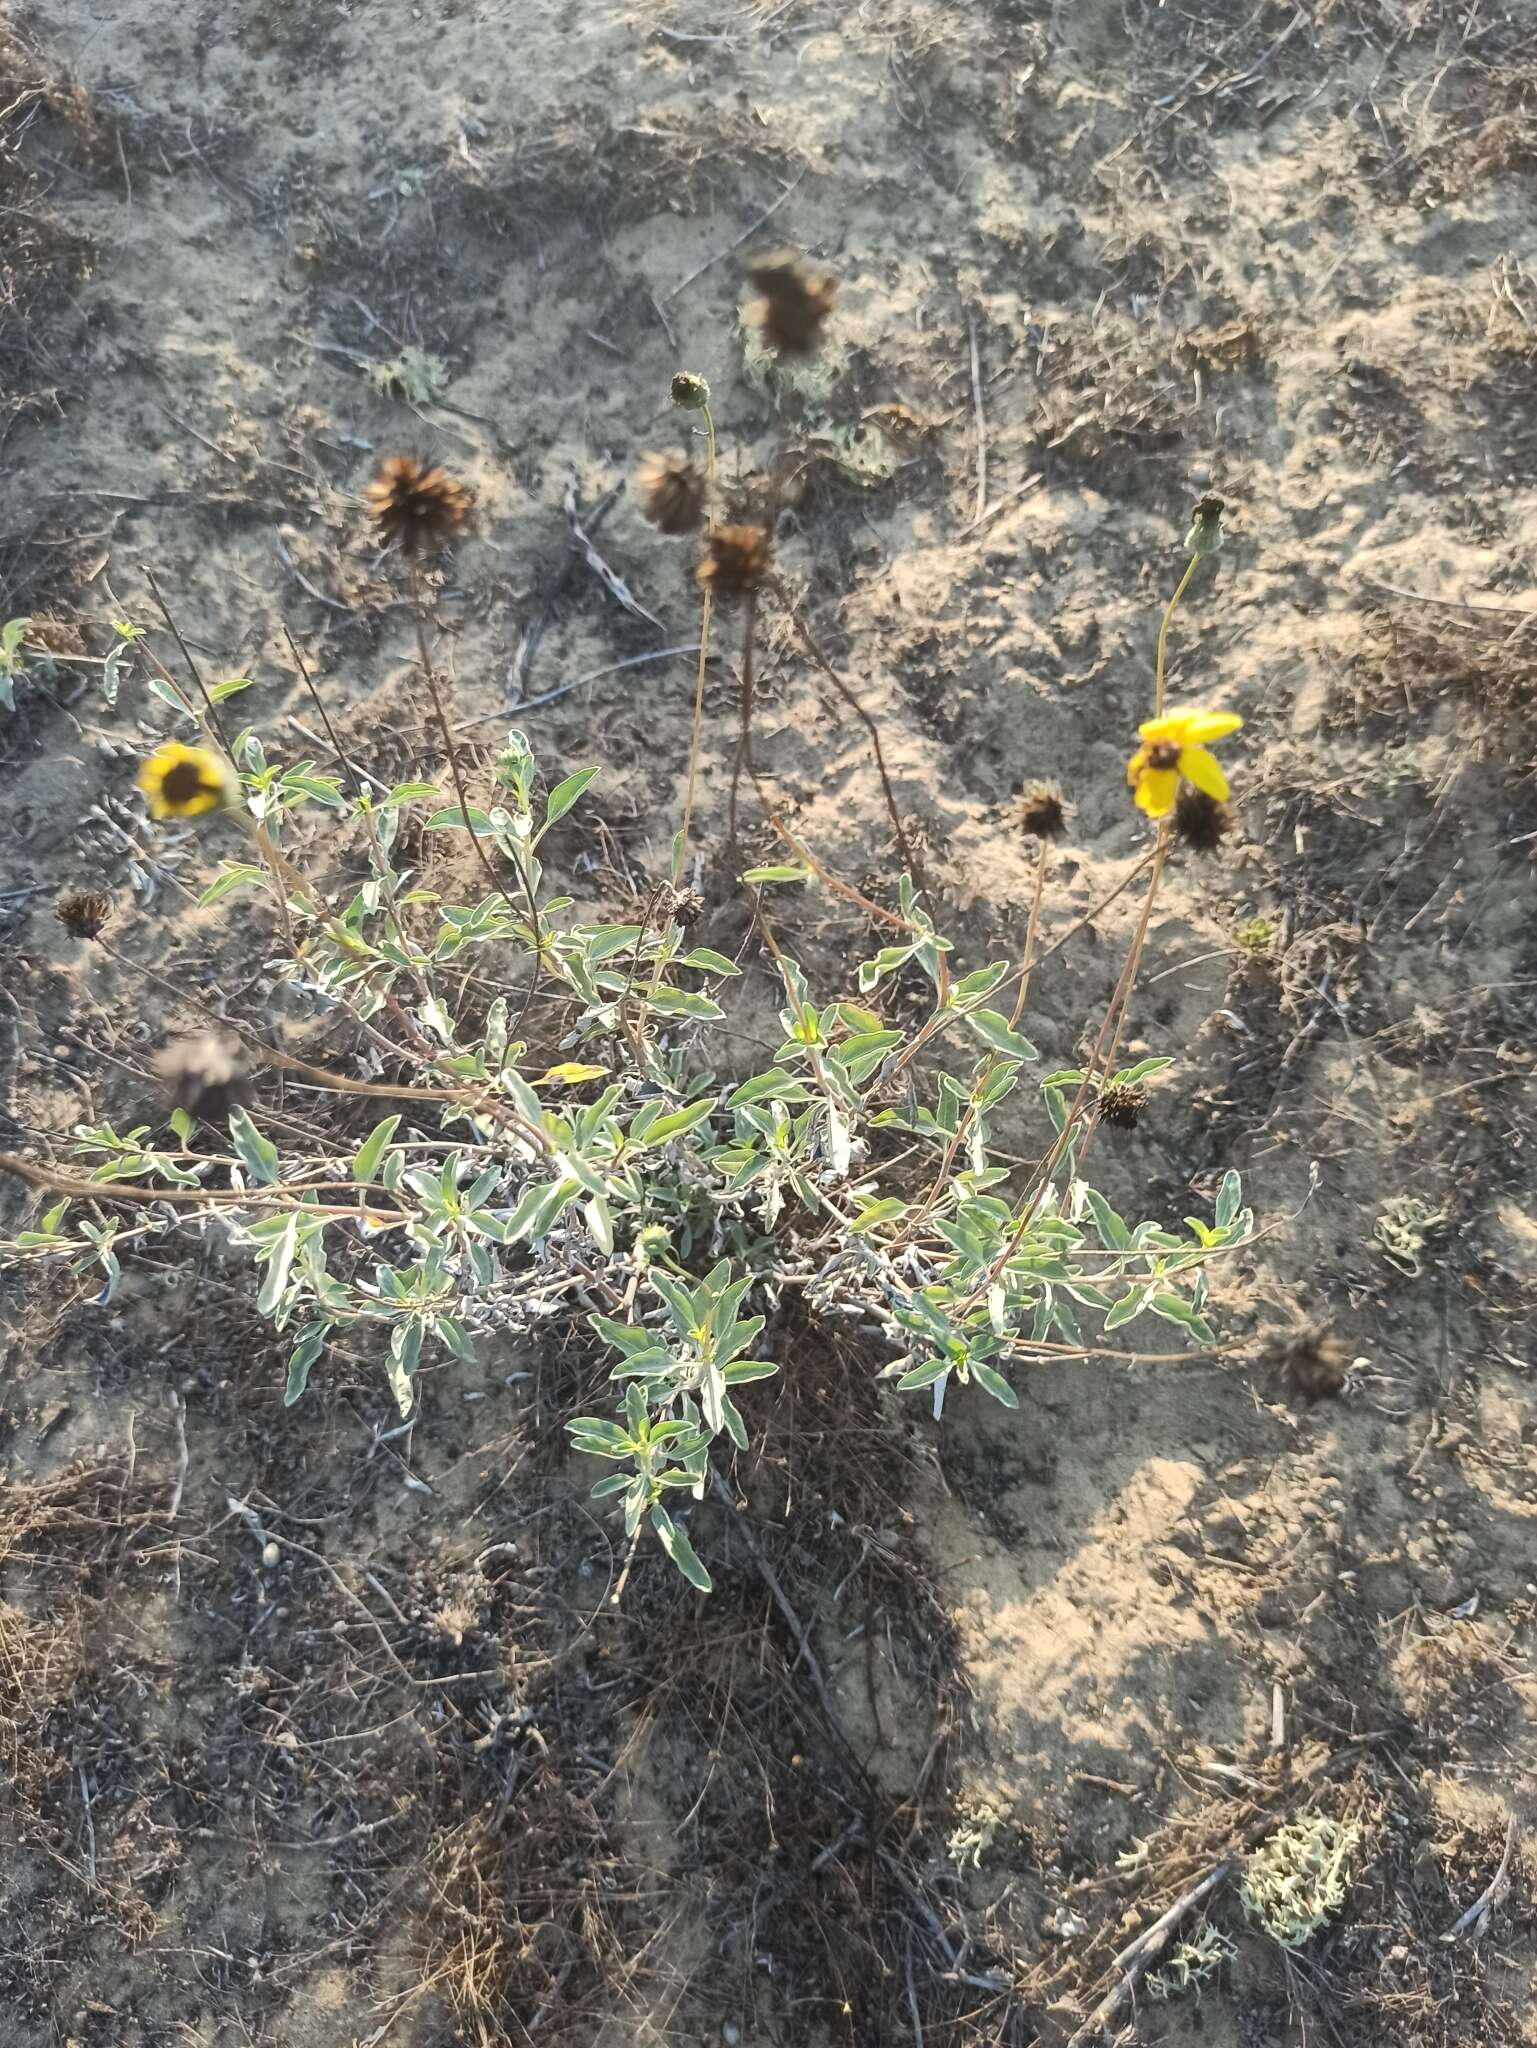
[
  {"x": 452, "y": 818},
  {"x": 539, "y": 1208},
  {"x": 1111, "y": 1227},
  {"x": 731, "y": 1416},
  {"x": 1128, "y": 1077},
  {"x": 712, "y": 1390},
  {"x": 782, "y": 871},
  {"x": 679, "y": 1549},
  {"x": 658, "y": 1129},
  {"x": 258, "y": 1155},
  {"x": 112, "y": 676},
  {"x": 600, "y": 1222},
  {"x": 840, "y": 1140},
  {"x": 405, "y": 1355},
  {"x": 924, "y": 1375},
  {"x": 886, "y": 1210},
  {"x": 1131, "y": 1304},
  {"x": 1229, "y": 1198},
  {"x": 993, "y": 1383},
  {"x": 566, "y": 793},
  {"x": 682, "y": 1002},
  {"x": 365, "y": 1162},
  {"x": 163, "y": 690},
  {"x": 982, "y": 981},
  {"x": 279, "y": 1260},
  {"x": 453, "y": 1333},
  {"x": 999, "y": 1035},
  {"x": 232, "y": 875},
  {"x": 308, "y": 1346}
]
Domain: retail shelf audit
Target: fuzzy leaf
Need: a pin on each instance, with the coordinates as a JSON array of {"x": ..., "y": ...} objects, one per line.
[
  {"x": 365, "y": 1162},
  {"x": 566, "y": 793},
  {"x": 258, "y": 1155},
  {"x": 307, "y": 1348},
  {"x": 679, "y": 1549},
  {"x": 993, "y": 1383},
  {"x": 996, "y": 1032}
]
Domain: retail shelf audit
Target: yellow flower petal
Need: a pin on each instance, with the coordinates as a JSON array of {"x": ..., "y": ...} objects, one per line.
[
  {"x": 1136, "y": 766},
  {"x": 1200, "y": 726},
  {"x": 1157, "y": 790},
  {"x": 1169, "y": 728},
  {"x": 1204, "y": 770},
  {"x": 184, "y": 782}
]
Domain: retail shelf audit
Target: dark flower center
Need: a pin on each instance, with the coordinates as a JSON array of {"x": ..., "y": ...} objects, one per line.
[
  {"x": 183, "y": 783},
  {"x": 1164, "y": 755}
]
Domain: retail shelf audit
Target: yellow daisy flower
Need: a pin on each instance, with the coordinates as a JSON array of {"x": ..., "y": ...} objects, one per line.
[
  {"x": 183, "y": 782},
  {"x": 1175, "y": 746}
]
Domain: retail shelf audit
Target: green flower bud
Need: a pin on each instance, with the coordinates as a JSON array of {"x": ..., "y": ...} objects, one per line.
[
  {"x": 1205, "y": 535},
  {"x": 690, "y": 391},
  {"x": 650, "y": 1242}
]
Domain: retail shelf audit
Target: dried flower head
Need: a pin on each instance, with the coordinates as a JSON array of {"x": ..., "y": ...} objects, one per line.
[
  {"x": 184, "y": 782},
  {"x": 1122, "y": 1107},
  {"x": 793, "y": 301},
  {"x": 83, "y": 912},
  {"x": 1314, "y": 1363},
  {"x": 415, "y": 508},
  {"x": 690, "y": 391},
  {"x": 1201, "y": 822},
  {"x": 736, "y": 560},
  {"x": 1041, "y": 809},
  {"x": 687, "y": 907},
  {"x": 1205, "y": 535},
  {"x": 204, "y": 1076},
  {"x": 672, "y": 492}
]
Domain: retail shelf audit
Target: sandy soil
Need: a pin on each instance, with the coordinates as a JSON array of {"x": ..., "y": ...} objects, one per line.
[{"x": 1103, "y": 260}]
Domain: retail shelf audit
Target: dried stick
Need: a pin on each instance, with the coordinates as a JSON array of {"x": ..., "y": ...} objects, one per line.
[
  {"x": 697, "y": 729},
  {"x": 976, "y": 399},
  {"x": 1478, "y": 1911},
  {"x": 1135, "y": 1957}
]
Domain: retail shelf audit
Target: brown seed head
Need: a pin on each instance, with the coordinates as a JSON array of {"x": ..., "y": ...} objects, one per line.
[
  {"x": 416, "y": 509},
  {"x": 736, "y": 560},
  {"x": 687, "y": 908},
  {"x": 1041, "y": 810},
  {"x": 204, "y": 1076},
  {"x": 794, "y": 300},
  {"x": 1122, "y": 1107},
  {"x": 1201, "y": 822},
  {"x": 672, "y": 492},
  {"x": 1314, "y": 1363},
  {"x": 83, "y": 912}
]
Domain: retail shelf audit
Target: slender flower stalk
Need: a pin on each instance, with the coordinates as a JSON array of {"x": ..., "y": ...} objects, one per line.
[{"x": 707, "y": 609}]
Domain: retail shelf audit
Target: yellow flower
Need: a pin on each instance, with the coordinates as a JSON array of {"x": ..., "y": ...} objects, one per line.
[
  {"x": 569, "y": 1073},
  {"x": 183, "y": 782},
  {"x": 1175, "y": 745}
]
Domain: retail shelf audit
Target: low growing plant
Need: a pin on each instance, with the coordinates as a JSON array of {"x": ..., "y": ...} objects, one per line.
[{"x": 560, "y": 1131}]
